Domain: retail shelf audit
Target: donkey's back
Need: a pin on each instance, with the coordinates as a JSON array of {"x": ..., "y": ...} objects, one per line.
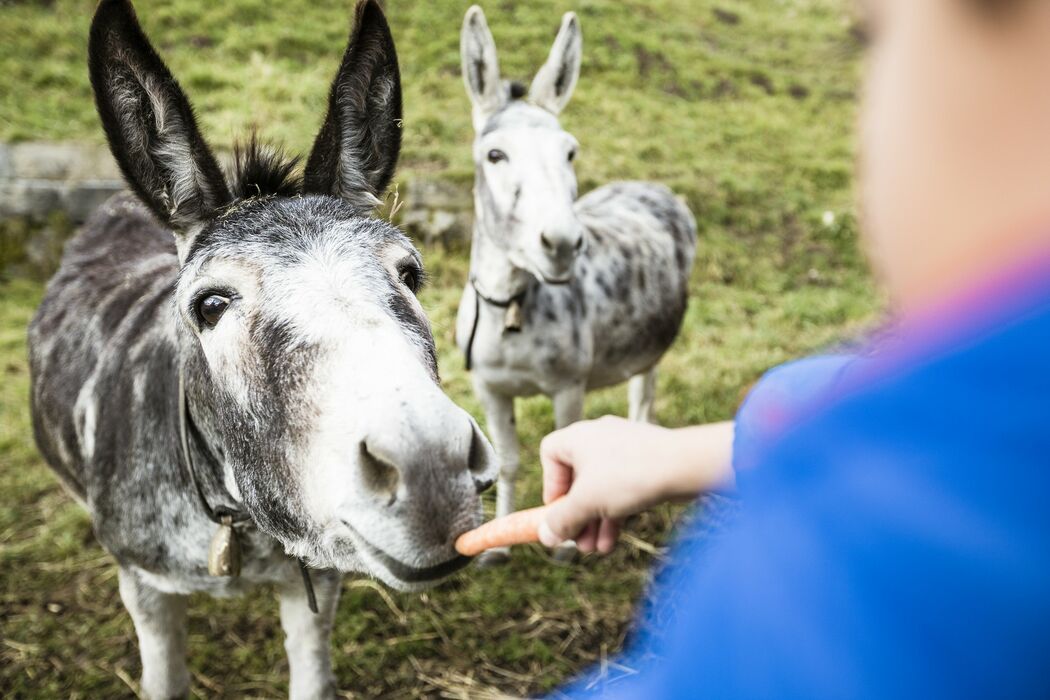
[{"x": 635, "y": 275}]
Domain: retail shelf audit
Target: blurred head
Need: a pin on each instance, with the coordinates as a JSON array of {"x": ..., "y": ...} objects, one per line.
[
  {"x": 955, "y": 141},
  {"x": 525, "y": 185},
  {"x": 301, "y": 334}
]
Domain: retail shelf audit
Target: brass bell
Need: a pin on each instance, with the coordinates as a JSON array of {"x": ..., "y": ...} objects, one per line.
[
  {"x": 512, "y": 317},
  {"x": 224, "y": 554}
]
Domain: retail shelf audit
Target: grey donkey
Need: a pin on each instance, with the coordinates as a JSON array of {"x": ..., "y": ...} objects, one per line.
[
  {"x": 232, "y": 373},
  {"x": 565, "y": 294}
]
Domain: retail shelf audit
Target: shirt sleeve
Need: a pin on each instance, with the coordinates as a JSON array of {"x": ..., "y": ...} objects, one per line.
[{"x": 779, "y": 394}]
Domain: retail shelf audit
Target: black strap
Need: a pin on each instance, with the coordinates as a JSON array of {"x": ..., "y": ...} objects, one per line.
[
  {"x": 311, "y": 599},
  {"x": 222, "y": 515},
  {"x": 186, "y": 426},
  {"x": 473, "y": 331},
  {"x": 498, "y": 303}
]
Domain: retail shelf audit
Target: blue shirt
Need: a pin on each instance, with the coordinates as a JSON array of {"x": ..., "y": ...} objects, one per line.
[{"x": 893, "y": 540}]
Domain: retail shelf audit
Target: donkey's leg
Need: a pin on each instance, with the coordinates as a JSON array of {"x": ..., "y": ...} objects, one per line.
[
  {"x": 307, "y": 635},
  {"x": 568, "y": 408},
  {"x": 160, "y": 623},
  {"x": 499, "y": 412},
  {"x": 641, "y": 389}
]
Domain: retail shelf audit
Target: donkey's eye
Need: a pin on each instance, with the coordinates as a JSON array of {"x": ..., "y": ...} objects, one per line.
[
  {"x": 410, "y": 277},
  {"x": 572, "y": 155},
  {"x": 496, "y": 155},
  {"x": 211, "y": 308}
]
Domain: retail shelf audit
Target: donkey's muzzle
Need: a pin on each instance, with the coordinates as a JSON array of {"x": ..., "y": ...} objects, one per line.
[{"x": 394, "y": 467}]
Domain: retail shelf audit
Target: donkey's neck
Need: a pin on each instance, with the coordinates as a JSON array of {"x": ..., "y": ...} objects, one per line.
[{"x": 492, "y": 272}]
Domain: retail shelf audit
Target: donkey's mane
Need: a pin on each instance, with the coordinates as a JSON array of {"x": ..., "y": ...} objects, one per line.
[{"x": 260, "y": 170}]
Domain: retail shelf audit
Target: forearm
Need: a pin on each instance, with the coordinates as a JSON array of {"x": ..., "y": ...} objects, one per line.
[{"x": 698, "y": 458}]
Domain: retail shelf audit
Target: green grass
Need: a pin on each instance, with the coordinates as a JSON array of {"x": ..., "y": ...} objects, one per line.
[{"x": 744, "y": 107}]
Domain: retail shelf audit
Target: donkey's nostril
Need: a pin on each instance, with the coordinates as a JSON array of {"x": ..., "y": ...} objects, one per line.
[
  {"x": 546, "y": 242},
  {"x": 379, "y": 476},
  {"x": 477, "y": 460},
  {"x": 579, "y": 244},
  {"x": 481, "y": 460}
]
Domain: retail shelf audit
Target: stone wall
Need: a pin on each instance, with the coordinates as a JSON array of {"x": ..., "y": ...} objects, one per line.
[
  {"x": 437, "y": 211},
  {"x": 39, "y": 179},
  {"x": 46, "y": 189}
]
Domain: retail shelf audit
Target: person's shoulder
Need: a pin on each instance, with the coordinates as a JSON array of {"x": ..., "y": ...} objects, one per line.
[
  {"x": 779, "y": 397},
  {"x": 950, "y": 420}
]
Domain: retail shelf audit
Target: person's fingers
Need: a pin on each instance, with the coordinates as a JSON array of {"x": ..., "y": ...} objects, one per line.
[
  {"x": 564, "y": 520},
  {"x": 557, "y": 466},
  {"x": 608, "y": 533},
  {"x": 587, "y": 540}
]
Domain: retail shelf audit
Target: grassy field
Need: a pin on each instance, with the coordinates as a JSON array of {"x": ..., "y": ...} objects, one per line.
[{"x": 746, "y": 108}]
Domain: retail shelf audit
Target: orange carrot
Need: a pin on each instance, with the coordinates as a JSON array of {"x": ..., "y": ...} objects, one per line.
[{"x": 517, "y": 528}]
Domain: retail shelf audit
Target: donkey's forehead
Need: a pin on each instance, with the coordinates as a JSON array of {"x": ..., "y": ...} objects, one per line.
[
  {"x": 276, "y": 231},
  {"x": 346, "y": 252},
  {"x": 519, "y": 114}
]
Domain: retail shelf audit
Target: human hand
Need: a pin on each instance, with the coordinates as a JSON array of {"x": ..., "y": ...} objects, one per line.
[{"x": 595, "y": 473}]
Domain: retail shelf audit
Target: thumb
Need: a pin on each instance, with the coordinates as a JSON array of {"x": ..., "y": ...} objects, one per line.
[{"x": 564, "y": 519}]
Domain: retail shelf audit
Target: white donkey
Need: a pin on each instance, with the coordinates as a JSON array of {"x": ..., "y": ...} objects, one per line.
[{"x": 564, "y": 295}]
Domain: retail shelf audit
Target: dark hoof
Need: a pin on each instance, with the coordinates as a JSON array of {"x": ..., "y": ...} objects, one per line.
[{"x": 493, "y": 558}]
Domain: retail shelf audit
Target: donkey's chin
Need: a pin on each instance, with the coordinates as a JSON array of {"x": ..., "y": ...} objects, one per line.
[
  {"x": 344, "y": 549},
  {"x": 391, "y": 570},
  {"x": 549, "y": 275}
]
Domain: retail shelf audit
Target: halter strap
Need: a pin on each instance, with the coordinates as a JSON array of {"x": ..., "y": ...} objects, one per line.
[
  {"x": 222, "y": 515},
  {"x": 498, "y": 303},
  {"x": 186, "y": 428}
]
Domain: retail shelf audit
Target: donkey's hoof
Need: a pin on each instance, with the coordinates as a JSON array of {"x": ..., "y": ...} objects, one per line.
[
  {"x": 493, "y": 558},
  {"x": 565, "y": 553}
]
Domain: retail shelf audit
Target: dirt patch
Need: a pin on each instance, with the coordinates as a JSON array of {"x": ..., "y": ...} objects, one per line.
[{"x": 726, "y": 17}]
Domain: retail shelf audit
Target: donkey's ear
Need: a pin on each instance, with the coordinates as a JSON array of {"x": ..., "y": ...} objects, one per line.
[
  {"x": 357, "y": 148},
  {"x": 553, "y": 85},
  {"x": 480, "y": 66},
  {"x": 150, "y": 124}
]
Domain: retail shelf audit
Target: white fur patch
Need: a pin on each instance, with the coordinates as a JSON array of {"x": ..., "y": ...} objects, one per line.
[{"x": 85, "y": 412}]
